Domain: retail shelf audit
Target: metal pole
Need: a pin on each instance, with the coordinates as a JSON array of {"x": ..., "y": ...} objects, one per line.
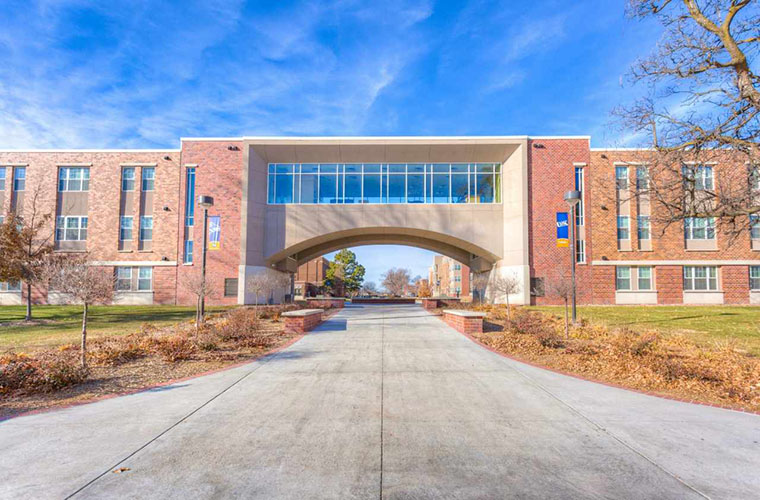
[
  {"x": 572, "y": 256},
  {"x": 203, "y": 264}
]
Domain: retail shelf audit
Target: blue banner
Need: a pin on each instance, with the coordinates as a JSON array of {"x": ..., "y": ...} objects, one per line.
[
  {"x": 214, "y": 232},
  {"x": 563, "y": 228}
]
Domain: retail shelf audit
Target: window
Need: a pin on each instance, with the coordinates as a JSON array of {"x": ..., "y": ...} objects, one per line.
[
  {"x": 145, "y": 278},
  {"x": 128, "y": 179},
  {"x": 643, "y": 227},
  {"x": 125, "y": 227},
  {"x": 644, "y": 275},
  {"x": 188, "y": 252},
  {"x": 699, "y": 228},
  {"x": 698, "y": 177},
  {"x": 331, "y": 183},
  {"x": 146, "y": 228},
  {"x": 10, "y": 286},
  {"x": 754, "y": 277},
  {"x": 621, "y": 177},
  {"x": 148, "y": 178},
  {"x": 2, "y": 178},
  {"x": 642, "y": 178},
  {"x": 19, "y": 178},
  {"x": 580, "y": 251},
  {"x": 579, "y": 221},
  {"x": 231, "y": 287},
  {"x": 123, "y": 279},
  {"x": 623, "y": 227},
  {"x": 190, "y": 197},
  {"x": 73, "y": 179},
  {"x": 754, "y": 227},
  {"x": 623, "y": 278},
  {"x": 71, "y": 228},
  {"x": 700, "y": 278}
]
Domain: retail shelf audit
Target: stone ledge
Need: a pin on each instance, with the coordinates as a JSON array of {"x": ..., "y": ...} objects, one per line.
[
  {"x": 301, "y": 313},
  {"x": 465, "y": 314}
]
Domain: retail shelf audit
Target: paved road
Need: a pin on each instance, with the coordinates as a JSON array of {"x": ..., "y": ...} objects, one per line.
[{"x": 383, "y": 402}]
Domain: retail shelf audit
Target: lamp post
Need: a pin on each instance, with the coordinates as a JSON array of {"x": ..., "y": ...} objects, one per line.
[
  {"x": 206, "y": 202},
  {"x": 572, "y": 198}
]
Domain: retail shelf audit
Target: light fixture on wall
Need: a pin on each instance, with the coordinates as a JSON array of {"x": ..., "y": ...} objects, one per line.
[
  {"x": 538, "y": 145},
  {"x": 233, "y": 148},
  {"x": 167, "y": 158}
]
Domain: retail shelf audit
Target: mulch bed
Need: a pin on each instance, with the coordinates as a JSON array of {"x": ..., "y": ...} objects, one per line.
[{"x": 126, "y": 364}]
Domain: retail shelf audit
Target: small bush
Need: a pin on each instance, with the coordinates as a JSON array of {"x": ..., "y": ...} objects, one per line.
[
  {"x": 44, "y": 373},
  {"x": 549, "y": 338},
  {"x": 644, "y": 344},
  {"x": 113, "y": 351},
  {"x": 174, "y": 348}
]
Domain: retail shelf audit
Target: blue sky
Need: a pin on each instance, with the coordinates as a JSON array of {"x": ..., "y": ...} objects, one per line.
[{"x": 136, "y": 74}]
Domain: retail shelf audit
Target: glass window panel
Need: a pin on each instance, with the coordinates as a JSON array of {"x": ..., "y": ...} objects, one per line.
[
  {"x": 283, "y": 189},
  {"x": 441, "y": 188},
  {"x": 440, "y": 168},
  {"x": 485, "y": 168},
  {"x": 459, "y": 188},
  {"x": 372, "y": 187},
  {"x": 645, "y": 278},
  {"x": 284, "y": 168},
  {"x": 485, "y": 188},
  {"x": 473, "y": 188},
  {"x": 415, "y": 167},
  {"x": 415, "y": 187},
  {"x": 754, "y": 277},
  {"x": 396, "y": 189},
  {"x": 272, "y": 179},
  {"x": 128, "y": 179},
  {"x": 271, "y": 168},
  {"x": 353, "y": 188},
  {"x": 328, "y": 168},
  {"x": 309, "y": 168},
  {"x": 371, "y": 168},
  {"x": 144, "y": 278},
  {"x": 396, "y": 168},
  {"x": 623, "y": 281},
  {"x": 460, "y": 168},
  {"x": 309, "y": 188},
  {"x": 621, "y": 177},
  {"x": 148, "y": 178},
  {"x": 327, "y": 189},
  {"x": 353, "y": 168},
  {"x": 123, "y": 278}
]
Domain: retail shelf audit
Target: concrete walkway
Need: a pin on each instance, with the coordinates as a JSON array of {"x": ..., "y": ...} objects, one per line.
[{"x": 383, "y": 402}]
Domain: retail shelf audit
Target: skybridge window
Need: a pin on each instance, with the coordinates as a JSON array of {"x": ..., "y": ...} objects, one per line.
[{"x": 383, "y": 183}]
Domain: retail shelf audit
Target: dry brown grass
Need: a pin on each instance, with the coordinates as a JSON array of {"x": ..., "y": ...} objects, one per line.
[
  {"x": 665, "y": 364},
  {"x": 140, "y": 359}
]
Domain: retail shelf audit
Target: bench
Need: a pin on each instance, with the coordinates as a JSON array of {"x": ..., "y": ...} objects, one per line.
[
  {"x": 464, "y": 321},
  {"x": 303, "y": 320}
]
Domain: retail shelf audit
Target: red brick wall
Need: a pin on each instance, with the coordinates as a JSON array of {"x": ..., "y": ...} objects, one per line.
[
  {"x": 103, "y": 200},
  {"x": 669, "y": 285},
  {"x": 463, "y": 324},
  {"x": 218, "y": 174},
  {"x": 603, "y": 284},
  {"x": 302, "y": 324},
  {"x": 551, "y": 173},
  {"x": 735, "y": 281}
]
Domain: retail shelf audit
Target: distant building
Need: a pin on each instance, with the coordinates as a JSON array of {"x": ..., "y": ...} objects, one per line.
[
  {"x": 449, "y": 278},
  {"x": 310, "y": 278}
]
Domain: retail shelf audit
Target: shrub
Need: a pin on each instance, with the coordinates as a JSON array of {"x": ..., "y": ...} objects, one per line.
[
  {"x": 174, "y": 348},
  {"x": 549, "y": 338},
  {"x": 644, "y": 344},
  {"x": 44, "y": 373},
  {"x": 113, "y": 351}
]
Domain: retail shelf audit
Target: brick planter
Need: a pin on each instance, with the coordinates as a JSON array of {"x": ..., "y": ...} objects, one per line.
[
  {"x": 325, "y": 303},
  {"x": 303, "y": 320},
  {"x": 429, "y": 303},
  {"x": 464, "y": 321}
]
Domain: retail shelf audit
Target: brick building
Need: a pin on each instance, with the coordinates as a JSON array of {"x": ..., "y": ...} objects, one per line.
[
  {"x": 310, "y": 278},
  {"x": 449, "y": 278},
  {"x": 488, "y": 203}
]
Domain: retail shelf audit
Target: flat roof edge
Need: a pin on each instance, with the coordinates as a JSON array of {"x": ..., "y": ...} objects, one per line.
[
  {"x": 280, "y": 138},
  {"x": 90, "y": 150}
]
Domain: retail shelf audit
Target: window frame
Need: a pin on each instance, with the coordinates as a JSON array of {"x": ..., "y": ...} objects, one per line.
[
  {"x": 709, "y": 233},
  {"x": 66, "y": 179},
  {"x": 3, "y": 177},
  {"x": 624, "y": 227},
  {"x": 63, "y": 229},
  {"x": 118, "y": 278},
  {"x": 141, "y": 279},
  {"x": 19, "y": 180},
  {"x": 619, "y": 278},
  {"x": 148, "y": 183},
  {"x": 146, "y": 228},
  {"x": 711, "y": 276},
  {"x": 754, "y": 279},
  {"x": 128, "y": 184},
  {"x": 640, "y": 228},
  {"x": 622, "y": 181},
  {"x": 123, "y": 228}
]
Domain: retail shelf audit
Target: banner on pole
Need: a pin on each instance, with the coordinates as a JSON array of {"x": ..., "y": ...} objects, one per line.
[
  {"x": 214, "y": 232},
  {"x": 563, "y": 238}
]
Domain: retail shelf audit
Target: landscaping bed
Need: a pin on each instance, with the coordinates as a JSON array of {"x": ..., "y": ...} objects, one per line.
[
  {"x": 667, "y": 364},
  {"x": 124, "y": 363}
]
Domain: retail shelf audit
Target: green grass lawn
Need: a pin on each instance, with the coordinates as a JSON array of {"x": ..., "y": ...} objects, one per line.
[
  {"x": 63, "y": 324},
  {"x": 705, "y": 324}
]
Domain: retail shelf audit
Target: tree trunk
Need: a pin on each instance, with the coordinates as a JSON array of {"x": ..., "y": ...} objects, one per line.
[
  {"x": 198, "y": 313},
  {"x": 28, "y": 302},
  {"x": 84, "y": 336},
  {"x": 509, "y": 312}
]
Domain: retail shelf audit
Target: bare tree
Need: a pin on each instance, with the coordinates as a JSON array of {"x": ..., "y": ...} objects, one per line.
[
  {"x": 369, "y": 288},
  {"x": 505, "y": 285},
  {"x": 77, "y": 278},
  {"x": 266, "y": 283},
  {"x": 561, "y": 287},
  {"x": 199, "y": 286},
  {"x": 702, "y": 105},
  {"x": 395, "y": 281},
  {"x": 26, "y": 241},
  {"x": 480, "y": 283}
]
